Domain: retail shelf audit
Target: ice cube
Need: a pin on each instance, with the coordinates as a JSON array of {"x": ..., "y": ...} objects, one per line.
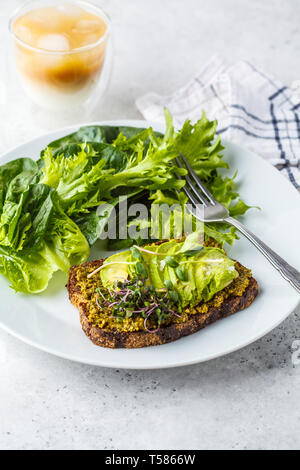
[
  {"x": 88, "y": 39},
  {"x": 53, "y": 42},
  {"x": 70, "y": 10},
  {"x": 49, "y": 18},
  {"x": 86, "y": 26},
  {"x": 24, "y": 33}
]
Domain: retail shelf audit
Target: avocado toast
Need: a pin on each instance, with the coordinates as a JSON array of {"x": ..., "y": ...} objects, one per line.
[{"x": 158, "y": 293}]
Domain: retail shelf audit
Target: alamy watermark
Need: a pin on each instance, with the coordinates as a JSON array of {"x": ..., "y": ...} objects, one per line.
[{"x": 138, "y": 221}]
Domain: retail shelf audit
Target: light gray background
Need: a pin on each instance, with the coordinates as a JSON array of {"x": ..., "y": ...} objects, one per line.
[{"x": 247, "y": 400}]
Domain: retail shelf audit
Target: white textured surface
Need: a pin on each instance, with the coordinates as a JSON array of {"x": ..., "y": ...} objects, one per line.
[{"x": 249, "y": 399}]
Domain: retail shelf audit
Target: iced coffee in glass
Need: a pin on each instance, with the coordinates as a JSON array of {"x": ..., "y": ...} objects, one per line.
[{"x": 62, "y": 52}]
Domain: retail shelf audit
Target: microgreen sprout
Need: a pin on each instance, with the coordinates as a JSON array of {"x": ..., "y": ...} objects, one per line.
[
  {"x": 134, "y": 298},
  {"x": 170, "y": 261},
  {"x": 181, "y": 274}
]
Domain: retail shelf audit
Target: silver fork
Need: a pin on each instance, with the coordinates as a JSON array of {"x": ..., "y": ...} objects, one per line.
[{"x": 213, "y": 211}]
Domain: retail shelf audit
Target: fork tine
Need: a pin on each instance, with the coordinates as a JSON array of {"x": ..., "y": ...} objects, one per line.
[
  {"x": 190, "y": 195},
  {"x": 192, "y": 187},
  {"x": 189, "y": 183},
  {"x": 200, "y": 185}
]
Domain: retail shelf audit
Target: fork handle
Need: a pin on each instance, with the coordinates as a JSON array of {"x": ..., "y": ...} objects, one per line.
[{"x": 286, "y": 270}]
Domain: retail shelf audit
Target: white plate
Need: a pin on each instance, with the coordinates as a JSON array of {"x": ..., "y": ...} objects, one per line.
[{"x": 49, "y": 322}]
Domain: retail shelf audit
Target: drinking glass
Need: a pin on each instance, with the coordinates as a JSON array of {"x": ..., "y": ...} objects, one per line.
[{"x": 59, "y": 80}]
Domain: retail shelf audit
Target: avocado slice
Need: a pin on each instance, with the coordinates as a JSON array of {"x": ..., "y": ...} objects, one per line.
[{"x": 117, "y": 269}]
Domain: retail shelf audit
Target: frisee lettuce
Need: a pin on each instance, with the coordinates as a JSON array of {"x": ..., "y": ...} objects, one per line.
[
  {"x": 203, "y": 149},
  {"x": 75, "y": 178}
]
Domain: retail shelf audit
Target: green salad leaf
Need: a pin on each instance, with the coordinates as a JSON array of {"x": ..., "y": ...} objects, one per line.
[
  {"x": 144, "y": 172},
  {"x": 96, "y": 134},
  {"x": 200, "y": 146},
  {"x": 10, "y": 170},
  {"x": 37, "y": 237},
  {"x": 203, "y": 150},
  {"x": 75, "y": 178}
]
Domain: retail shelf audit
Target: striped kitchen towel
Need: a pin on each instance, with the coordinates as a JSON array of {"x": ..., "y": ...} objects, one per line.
[{"x": 251, "y": 107}]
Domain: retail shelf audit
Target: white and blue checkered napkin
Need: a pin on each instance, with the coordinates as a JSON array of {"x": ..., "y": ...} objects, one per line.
[{"x": 252, "y": 109}]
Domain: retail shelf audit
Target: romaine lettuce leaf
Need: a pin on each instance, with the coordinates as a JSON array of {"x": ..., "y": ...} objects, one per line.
[
  {"x": 10, "y": 170},
  {"x": 37, "y": 237},
  {"x": 28, "y": 271}
]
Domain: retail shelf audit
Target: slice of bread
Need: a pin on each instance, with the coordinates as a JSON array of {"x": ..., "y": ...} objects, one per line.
[{"x": 138, "y": 339}]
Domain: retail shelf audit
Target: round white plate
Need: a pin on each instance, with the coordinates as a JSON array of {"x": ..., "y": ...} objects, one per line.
[{"x": 49, "y": 322}]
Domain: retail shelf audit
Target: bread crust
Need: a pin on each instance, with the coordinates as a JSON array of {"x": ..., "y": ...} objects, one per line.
[{"x": 167, "y": 334}]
